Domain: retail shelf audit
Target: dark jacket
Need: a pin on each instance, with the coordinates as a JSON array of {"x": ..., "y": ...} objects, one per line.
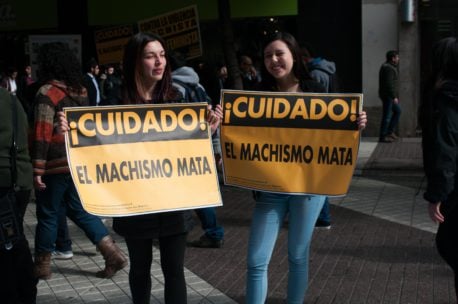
[
  {"x": 388, "y": 81},
  {"x": 307, "y": 86},
  {"x": 110, "y": 90},
  {"x": 91, "y": 89},
  {"x": 440, "y": 144},
  {"x": 155, "y": 225},
  {"x": 24, "y": 166}
]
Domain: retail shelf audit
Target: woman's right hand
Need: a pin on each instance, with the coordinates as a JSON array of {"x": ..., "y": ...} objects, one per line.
[
  {"x": 62, "y": 123},
  {"x": 435, "y": 212}
]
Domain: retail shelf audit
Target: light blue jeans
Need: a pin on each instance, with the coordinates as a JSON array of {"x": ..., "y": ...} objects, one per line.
[{"x": 268, "y": 216}]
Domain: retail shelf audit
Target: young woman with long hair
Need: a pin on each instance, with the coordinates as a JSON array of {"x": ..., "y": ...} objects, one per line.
[
  {"x": 148, "y": 80},
  {"x": 283, "y": 71}
]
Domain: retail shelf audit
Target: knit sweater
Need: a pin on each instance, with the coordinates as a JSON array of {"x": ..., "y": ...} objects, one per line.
[{"x": 48, "y": 146}]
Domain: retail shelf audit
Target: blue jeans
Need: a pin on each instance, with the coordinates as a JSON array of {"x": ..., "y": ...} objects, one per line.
[
  {"x": 325, "y": 214},
  {"x": 63, "y": 241},
  {"x": 207, "y": 217},
  {"x": 390, "y": 117},
  {"x": 61, "y": 190},
  {"x": 268, "y": 216}
]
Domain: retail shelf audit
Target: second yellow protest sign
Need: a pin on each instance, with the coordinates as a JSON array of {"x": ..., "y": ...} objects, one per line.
[
  {"x": 129, "y": 160},
  {"x": 299, "y": 143}
]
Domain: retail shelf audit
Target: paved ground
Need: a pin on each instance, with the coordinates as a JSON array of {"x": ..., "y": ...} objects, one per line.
[{"x": 379, "y": 250}]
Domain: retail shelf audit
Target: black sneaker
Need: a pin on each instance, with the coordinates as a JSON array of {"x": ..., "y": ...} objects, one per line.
[
  {"x": 322, "y": 225},
  {"x": 206, "y": 242},
  {"x": 386, "y": 139}
]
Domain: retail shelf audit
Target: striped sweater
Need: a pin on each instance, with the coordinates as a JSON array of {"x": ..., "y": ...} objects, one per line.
[{"x": 48, "y": 146}]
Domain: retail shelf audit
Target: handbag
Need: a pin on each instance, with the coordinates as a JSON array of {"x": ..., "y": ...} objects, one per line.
[{"x": 10, "y": 228}]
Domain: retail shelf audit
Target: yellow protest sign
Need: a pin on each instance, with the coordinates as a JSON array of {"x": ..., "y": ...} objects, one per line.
[
  {"x": 130, "y": 160},
  {"x": 299, "y": 143}
]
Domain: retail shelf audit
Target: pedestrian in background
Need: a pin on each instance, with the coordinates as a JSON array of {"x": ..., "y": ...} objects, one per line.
[
  {"x": 324, "y": 72},
  {"x": 389, "y": 94},
  {"x": 91, "y": 82},
  {"x": 283, "y": 71},
  {"x": 61, "y": 75},
  {"x": 17, "y": 282},
  {"x": 439, "y": 121},
  {"x": 186, "y": 80}
]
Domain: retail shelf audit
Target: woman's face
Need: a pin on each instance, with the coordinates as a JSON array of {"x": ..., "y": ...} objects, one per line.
[
  {"x": 153, "y": 62},
  {"x": 278, "y": 60}
]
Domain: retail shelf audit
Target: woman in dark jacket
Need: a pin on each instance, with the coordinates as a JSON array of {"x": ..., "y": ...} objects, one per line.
[
  {"x": 148, "y": 80},
  {"x": 439, "y": 119}
]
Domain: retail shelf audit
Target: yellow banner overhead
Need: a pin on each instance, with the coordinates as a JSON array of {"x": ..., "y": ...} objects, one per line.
[
  {"x": 298, "y": 143},
  {"x": 130, "y": 160}
]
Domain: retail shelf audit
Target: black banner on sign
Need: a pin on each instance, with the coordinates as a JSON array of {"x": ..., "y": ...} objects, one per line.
[
  {"x": 312, "y": 111},
  {"x": 112, "y": 125}
]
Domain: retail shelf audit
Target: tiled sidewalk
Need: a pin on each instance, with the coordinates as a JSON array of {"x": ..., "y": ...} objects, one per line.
[{"x": 380, "y": 249}]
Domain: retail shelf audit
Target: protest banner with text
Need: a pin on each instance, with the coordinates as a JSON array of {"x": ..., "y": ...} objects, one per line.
[
  {"x": 110, "y": 43},
  {"x": 180, "y": 30},
  {"x": 297, "y": 143},
  {"x": 129, "y": 160}
]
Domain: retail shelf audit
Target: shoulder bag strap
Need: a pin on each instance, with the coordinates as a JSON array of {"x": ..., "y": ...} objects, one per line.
[{"x": 14, "y": 148}]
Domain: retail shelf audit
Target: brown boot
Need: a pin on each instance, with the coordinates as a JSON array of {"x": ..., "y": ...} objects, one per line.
[
  {"x": 114, "y": 258},
  {"x": 42, "y": 267}
]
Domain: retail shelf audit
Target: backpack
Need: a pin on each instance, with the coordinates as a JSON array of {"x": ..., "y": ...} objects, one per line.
[
  {"x": 193, "y": 92},
  {"x": 334, "y": 86}
]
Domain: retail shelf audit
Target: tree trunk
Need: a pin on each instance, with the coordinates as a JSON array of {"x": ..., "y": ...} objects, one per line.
[{"x": 230, "y": 56}]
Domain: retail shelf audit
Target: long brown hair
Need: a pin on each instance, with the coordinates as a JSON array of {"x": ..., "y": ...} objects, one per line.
[{"x": 132, "y": 60}]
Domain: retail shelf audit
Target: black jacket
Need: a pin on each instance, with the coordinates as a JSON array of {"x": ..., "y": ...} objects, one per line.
[
  {"x": 440, "y": 144},
  {"x": 388, "y": 81},
  {"x": 23, "y": 164},
  {"x": 155, "y": 225},
  {"x": 91, "y": 89}
]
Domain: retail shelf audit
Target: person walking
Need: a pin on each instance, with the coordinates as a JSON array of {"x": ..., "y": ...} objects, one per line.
[
  {"x": 148, "y": 80},
  {"x": 186, "y": 80},
  {"x": 389, "y": 94},
  {"x": 60, "y": 73},
  {"x": 283, "y": 71},
  {"x": 17, "y": 282},
  {"x": 439, "y": 122}
]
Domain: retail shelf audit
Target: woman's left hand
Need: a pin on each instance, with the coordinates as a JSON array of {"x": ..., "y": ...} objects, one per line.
[
  {"x": 214, "y": 117},
  {"x": 62, "y": 123},
  {"x": 362, "y": 120}
]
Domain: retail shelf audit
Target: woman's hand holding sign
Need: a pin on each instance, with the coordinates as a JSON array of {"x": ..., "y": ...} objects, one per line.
[
  {"x": 214, "y": 117},
  {"x": 62, "y": 123},
  {"x": 362, "y": 120}
]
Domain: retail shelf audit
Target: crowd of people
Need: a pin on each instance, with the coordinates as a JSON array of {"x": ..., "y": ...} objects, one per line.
[{"x": 148, "y": 76}]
